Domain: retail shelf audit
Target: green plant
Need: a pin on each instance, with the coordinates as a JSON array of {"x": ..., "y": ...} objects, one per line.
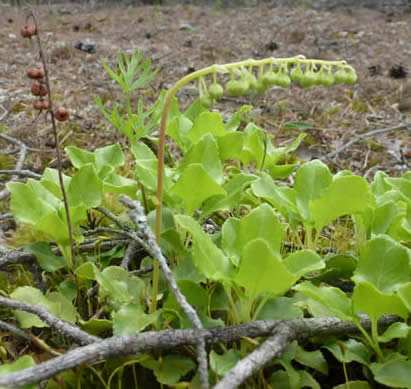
[{"x": 270, "y": 254}]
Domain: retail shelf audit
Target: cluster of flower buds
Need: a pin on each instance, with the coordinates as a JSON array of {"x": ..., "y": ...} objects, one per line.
[
  {"x": 277, "y": 72},
  {"x": 39, "y": 87}
]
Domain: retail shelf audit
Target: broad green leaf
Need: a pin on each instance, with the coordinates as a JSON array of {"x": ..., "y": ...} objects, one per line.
[
  {"x": 379, "y": 185},
  {"x": 368, "y": 299},
  {"x": 383, "y": 216},
  {"x": 234, "y": 188},
  {"x": 111, "y": 155},
  {"x": 186, "y": 270},
  {"x": 194, "y": 186},
  {"x": 47, "y": 260},
  {"x": 194, "y": 110},
  {"x": 231, "y": 243},
  {"x": 337, "y": 266},
  {"x": 146, "y": 165},
  {"x": 205, "y": 152},
  {"x": 274, "y": 154},
  {"x": 308, "y": 381},
  {"x": 50, "y": 180},
  {"x": 170, "y": 369},
  {"x": 235, "y": 120},
  {"x": 131, "y": 319},
  {"x": 402, "y": 184},
  {"x": 79, "y": 157},
  {"x": 313, "y": 359},
  {"x": 68, "y": 289},
  {"x": 280, "y": 380},
  {"x": 265, "y": 188},
  {"x": 230, "y": 145},
  {"x": 353, "y": 351},
  {"x": 209, "y": 260},
  {"x": 31, "y": 201},
  {"x": 311, "y": 180},
  {"x": 286, "y": 360},
  {"x": 395, "y": 373},
  {"x": 302, "y": 262},
  {"x": 61, "y": 307},
  {"x": 261, "y": 222},
  {"x": 219, "y": 300},
  {"x": 404, "y": 292},
  {"x": 222, "y": 364},
  {"x": 346, "y": 195},
  {"x": 206, "y": 123},
  {"x": 280, "y": 308},
  {"x": 395, "y": 331},
  {"x": 85, "y": 188},
  {"x": 96, "y": 326},
  {"x": 29, "y": 295},
  {"x": 383, "y": 263},
  {"x": 86, "y": 270},
  {"x": 115, "y": 183},
  {"x": 281, "y": 172},
  {"x": 194, "y": 293},
  {"x": 21, "y": 363},
  {"x": 119, "y": 286},
  {"x": 261, "y": 270},
  {"x": 177, "y": 129},
  {"x": 256, "y": 144},
  {"x": 333, "y": 298}
]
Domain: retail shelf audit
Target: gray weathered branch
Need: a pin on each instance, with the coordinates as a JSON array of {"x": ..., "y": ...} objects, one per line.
[{"x": 170, "y": 339}]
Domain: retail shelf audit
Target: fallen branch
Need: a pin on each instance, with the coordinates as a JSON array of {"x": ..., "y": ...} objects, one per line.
[
  {"x": 22, "y": 173},
  {"x": 64, "y": 328},
  {"x": 19, "y": 164},
  {"x": 299, "y": 329},
  {"x": 332, "y": 154},
  {"x": 147, "y": 240},
  {"x": 19, "y": 256}
]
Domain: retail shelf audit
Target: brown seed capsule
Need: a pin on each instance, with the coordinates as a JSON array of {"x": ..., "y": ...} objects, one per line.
[
  {"x": 35, "y": 73},
  {"x": 61, "y": 114},
  {"x": 28, "y": 31},
  {"x": 41, "y": 104},
  {"x": 38, "y": 89}
]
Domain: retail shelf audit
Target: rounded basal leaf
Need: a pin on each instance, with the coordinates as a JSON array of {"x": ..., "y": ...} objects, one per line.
[
  {"x": 21, "y": 363},
  {"x": 261, "y": 270},
  {"x": 194, "y": 186},
  {"x": 395, "y": 373},
  {"x": 222, "y": 364},
  {"x": 383, "y": 263},
  {"x": 216, "y": 91},
  {"x": 237, "y": 87}
]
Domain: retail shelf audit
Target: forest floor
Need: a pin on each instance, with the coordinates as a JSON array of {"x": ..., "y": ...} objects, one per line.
[{"x": 184, "y": 38}]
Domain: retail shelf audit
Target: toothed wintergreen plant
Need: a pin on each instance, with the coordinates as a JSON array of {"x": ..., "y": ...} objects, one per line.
[{"x": 242, "y": 80}]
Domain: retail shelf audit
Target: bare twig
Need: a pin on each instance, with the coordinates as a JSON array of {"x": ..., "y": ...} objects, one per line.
[
  {"x": 18, "y": 256},
  {"x": 403, "y": 126},
  {"x": 129, "y": 254},
  {"x": 53, "y": 124},
  {"x": 171, "y": 339},
  {"x": 147, "y": 240},
  {"x": 66, "y": 329},
  {"x": 19, "y": 164},
  {"x": 22, "y": 173},
  {"x": 113, "y": 217}
]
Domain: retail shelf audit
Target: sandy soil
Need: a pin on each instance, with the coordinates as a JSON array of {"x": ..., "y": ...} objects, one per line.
[{"x": 180, "y": 39}]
